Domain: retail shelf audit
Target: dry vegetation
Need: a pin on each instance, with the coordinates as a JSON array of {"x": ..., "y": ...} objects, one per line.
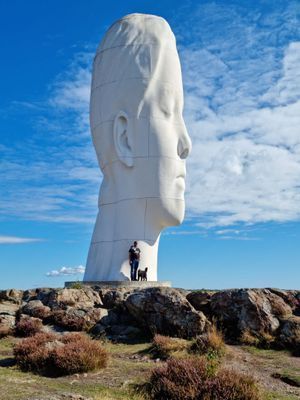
[
  {"x": 57, "y": 355},
  {"x": 211, "y": 344},
  {"x": 28, "y": 327},
  {"x": 131, "y": 366},
  {"x": 164, "y": 346},
  {"x": 193, "y": 379}
]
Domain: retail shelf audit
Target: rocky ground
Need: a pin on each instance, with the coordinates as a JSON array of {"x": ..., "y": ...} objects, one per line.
[{"x": 268, "y": 318}]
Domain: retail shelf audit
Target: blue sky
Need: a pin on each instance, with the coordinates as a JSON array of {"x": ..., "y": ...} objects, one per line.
[{"x": 241, "y": 73}]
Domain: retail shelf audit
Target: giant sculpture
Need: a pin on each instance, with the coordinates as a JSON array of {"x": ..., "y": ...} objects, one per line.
[{"x": 141, "y": 143}]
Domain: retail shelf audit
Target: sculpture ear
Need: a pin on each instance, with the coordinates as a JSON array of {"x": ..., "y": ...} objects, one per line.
[{"x": 123, "y": 139}]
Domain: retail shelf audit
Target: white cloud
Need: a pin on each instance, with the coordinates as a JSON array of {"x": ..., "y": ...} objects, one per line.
[
  {"x": 66, "y": 271},
  {"x": 243, "y": 114},
  {"x": 17, "y": 240}
]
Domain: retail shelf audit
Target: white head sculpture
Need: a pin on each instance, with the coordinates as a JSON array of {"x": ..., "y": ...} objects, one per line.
[{"x": 141, "y": 143}]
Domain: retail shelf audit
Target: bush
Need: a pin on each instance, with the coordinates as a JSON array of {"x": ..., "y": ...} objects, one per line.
[
  {"x": 191, "y": 379},
  {"x": 58, "y": 355},
  {"x": 163, "y": 346},
  {"x": 76, "y": 285},
  {"x": 230, "y": 385},
  {"x": 210, "y": 344},
  {"x": 178, "y": 380},
  {"x": 27, "y": 326}
]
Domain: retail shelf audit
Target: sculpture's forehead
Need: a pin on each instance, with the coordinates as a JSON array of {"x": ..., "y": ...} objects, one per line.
[
  {"x": 138, "y": 29},
  {"x": 136, "y": 62}
]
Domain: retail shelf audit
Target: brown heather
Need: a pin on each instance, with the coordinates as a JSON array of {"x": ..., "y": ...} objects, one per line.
[
  {"x": 192, "y": 379},
  {"x": 28, "y": 327},
  {"x": 57, "y": 355}
]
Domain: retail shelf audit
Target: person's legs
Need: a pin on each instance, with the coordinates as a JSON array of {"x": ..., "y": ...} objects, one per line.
[
  {"x": 132, "y": 270},
  {"x": 136, "y": 265}
]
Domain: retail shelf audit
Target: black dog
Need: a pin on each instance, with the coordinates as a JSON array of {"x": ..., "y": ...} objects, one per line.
[{"x": 142, "y": 274}]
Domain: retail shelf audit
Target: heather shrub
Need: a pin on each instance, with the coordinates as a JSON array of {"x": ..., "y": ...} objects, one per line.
[
  {"x": 182, "y": 379},
  {"x": 163, "y": 346},
  {"x": 58, "y": 355},
  {"x": 211, "y": 344},
  {"x": 230, "y": 385},
  {"x": 40, "y": 312},
  {"x": 192, "y": 379},
  {"x": 27, "y": 326}
]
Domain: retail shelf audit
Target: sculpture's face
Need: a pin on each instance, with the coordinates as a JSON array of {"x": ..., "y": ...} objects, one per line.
[
  {"x": 168, "y": 147},
  {"x": 139, "y": 133}
]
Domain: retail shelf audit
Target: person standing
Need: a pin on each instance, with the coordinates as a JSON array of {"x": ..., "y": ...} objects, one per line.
[{"x": 134, "y": 258}]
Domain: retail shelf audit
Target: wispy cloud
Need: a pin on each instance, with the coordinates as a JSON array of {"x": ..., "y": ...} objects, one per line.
[
  {"x": 66, "y": 271},
  {"x": 243, "y": 114},
  {"x": 53, "y": 174},
  {"x": 17, "y": 240}
]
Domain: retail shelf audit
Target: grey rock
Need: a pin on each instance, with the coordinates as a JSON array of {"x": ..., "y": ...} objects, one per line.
[
  {"x": 290, "y": 332},
  {"x": 8, "y": 308},
  {"x": 79, "y": 298},
  {"x": 13, "y": 295},
  {"x": 200, "y": 300},
  {"x": 36, "y": 308},
  {"x": 165, "y": 311},
  {"x": 256, "y": 310}
]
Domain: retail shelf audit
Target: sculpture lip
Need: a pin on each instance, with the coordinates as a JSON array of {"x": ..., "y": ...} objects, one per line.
[{"x": 181, "y": 176}]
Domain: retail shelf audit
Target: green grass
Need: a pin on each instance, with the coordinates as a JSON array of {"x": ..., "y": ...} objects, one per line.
[{"x": 128, "y": 365}]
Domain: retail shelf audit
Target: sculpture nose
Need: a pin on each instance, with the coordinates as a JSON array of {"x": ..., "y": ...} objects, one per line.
[{"x": 184, "y": 146}]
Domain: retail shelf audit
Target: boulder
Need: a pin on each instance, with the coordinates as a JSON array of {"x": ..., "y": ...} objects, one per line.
[
  {"x": 7, "y": 324},
  {"x": 290, "y": 333},
  {"x": 200, "y": 300},
  {"x": 8, "y": 311},
  {"x": 35, "y": 308},
  {"x": 165, "y": 311},
  {"x": 76, "y": 319},
  {"x": 258, "y": 311},
  {"x": 291, "y": 297},
  {"x": 13, "y": 295},
  {"x": 8, "y": 308},
  {"x": 79, "y": 298},
  {"x": 113, "y": 297}
]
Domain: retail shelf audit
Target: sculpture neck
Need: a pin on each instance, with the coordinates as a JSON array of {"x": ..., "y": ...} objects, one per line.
[{"x": 118, "y": 225}]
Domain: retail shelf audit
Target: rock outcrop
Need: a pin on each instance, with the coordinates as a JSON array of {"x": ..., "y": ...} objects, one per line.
[
  {"x": 165, "y": 311},
  {"x": 254, "y": 310},
  {"x": 132, "y": 314}
]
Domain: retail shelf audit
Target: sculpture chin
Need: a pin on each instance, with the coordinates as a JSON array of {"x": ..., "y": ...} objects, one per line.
[{"x": 173, "y": 212}]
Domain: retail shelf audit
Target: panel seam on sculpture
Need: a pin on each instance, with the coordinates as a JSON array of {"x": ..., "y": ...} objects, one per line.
[
  {"x": 145, "y": 78},
  {"x": 142, "y": 157},
  {"x": 152, "y": 241},
  {"x": 140, "y": 198},
  {"x": 172, "y": 48},
  {"x": 135, "y": 117}
]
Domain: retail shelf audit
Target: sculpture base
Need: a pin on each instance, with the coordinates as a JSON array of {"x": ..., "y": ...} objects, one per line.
[{"x": 120, "y": 284}]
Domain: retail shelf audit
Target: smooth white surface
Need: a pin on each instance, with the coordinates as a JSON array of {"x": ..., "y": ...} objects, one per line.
[{"x": 141, "y": 143}]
